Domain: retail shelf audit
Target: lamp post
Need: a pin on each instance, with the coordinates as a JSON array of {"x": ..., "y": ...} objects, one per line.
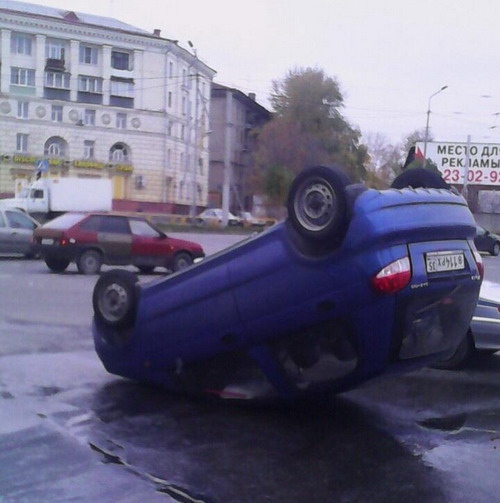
[{"x": 426, "y": 139}]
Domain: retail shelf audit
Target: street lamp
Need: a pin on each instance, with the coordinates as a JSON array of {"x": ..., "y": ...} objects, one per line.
[{"x": 426, "y": 139}]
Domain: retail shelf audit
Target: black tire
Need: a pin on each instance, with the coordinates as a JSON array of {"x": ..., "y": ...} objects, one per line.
[
  {"x": 56, "y": 264},
  {"x": 89, "y": 262},
  {"x": 419, "y": 177},
  {"x": 115, "y": 298},
  {"x": 463, "y": 353},
  {"x": 181, "y": 261},
  {"x": 496, "y": 249},
  {"x": 146, "y": 269},
  {"x": 317, "y": 204}
]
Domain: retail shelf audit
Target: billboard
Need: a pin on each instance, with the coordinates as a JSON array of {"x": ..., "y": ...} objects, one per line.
[{"x": 480, "y": 162}]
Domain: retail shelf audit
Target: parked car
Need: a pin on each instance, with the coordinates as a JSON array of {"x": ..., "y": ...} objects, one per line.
[
  {"x": 93, "y": 239},
  {"x": 250, "y": 221},
  {"x": 213, "y": 216},
  {"x": 16, "y": 232},
  {"x": 487, "y": 241},
  {"x": 484, "y": 332},
  {"x": 354, "y": 284}
]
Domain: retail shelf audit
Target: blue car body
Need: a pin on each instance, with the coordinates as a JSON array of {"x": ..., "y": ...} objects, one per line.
[{"x": 271, "y": 318}]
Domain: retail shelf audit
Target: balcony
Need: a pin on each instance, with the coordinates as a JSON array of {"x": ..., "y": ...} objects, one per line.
[{"x": 55, "y": 65}]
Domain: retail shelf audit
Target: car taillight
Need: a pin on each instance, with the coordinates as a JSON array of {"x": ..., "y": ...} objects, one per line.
[
  {"x": 479, "y": 263},
  {"x": 63, "y": 241},
  {"x": 393, "y": 277}
]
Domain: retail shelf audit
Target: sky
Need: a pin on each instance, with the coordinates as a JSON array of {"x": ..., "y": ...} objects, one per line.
[{"x": 389, "y": 56}]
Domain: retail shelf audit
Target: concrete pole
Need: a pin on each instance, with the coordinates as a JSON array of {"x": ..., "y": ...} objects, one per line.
[
  {"x": 192, "y": 209},
  {"x": 228, "y": 143}
]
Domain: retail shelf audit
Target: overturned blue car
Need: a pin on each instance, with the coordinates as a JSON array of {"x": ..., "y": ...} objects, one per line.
[{"x": 356, "y": 283}]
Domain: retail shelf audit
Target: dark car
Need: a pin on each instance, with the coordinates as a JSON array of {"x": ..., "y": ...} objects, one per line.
[
  {"x": 354, "y": 284},
  {"x": 16, "y": 232},
  {"x": 487, "y": 241},
  {"x": 484, "y": 333},
  {"x": 93, "y": 239}
]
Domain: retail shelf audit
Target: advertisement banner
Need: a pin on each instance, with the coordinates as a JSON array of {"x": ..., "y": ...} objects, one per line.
[{"x": 480, "y": 162}]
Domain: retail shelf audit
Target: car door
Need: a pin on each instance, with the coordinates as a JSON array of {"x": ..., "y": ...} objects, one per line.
[
  {"x": 20, "y": 228},
  {"x": 149, "y": 246},
  {"x": 4, "y": 235},
  {"x": 481, "y": 239},
  {"x": 115, "y": 239}
]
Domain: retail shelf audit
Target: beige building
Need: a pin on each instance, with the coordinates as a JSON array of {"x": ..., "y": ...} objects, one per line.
[{"x": 100, "y": 98}]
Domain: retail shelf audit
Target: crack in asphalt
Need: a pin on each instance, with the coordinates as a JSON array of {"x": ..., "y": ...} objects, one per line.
[{"x": 161, "y": 486}]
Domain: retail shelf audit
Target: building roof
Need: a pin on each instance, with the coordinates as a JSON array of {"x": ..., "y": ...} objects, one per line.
[
  {"x": 69, "y": 16},
  {"x": 219, "y": 90}
]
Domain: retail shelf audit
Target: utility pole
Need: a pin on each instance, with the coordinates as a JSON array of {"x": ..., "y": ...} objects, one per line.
[
  {"x": 194, "y": 188},
  {"x": 228, "y": 142}
]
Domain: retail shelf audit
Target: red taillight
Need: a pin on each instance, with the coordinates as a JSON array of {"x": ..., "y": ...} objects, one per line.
[
  {"x": 479, "y": 263},
  {"x": 63, "y": 241},
  {"x": 393, "y": 277}
]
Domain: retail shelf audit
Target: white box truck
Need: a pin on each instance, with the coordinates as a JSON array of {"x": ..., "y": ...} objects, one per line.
[{"x": 50, "y": 197}]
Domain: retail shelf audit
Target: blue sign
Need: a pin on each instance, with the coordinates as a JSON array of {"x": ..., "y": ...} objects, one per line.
[{"x": 42, "y": 166}]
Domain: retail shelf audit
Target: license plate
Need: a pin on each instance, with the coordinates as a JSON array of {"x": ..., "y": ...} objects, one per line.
[
  {"x": 47, "y": 241},
  {"x": 444, "y": 261}
]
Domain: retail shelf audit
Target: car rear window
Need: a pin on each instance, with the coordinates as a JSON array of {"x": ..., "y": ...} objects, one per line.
[{"x": 64, "y": 221}]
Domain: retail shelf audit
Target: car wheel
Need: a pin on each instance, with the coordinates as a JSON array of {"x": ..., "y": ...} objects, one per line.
[
  {"x": 89, "y": 262},
  {"x": 181, "y": 261},
  {"x": 317, "y": 204},
  {"x": 56, "y": 264},
  {"x": 463, "y": 352},
  {"x": 496, "y": 249},
  {"x": 115, "y": 298},
  {"x": 419, "y": 177},
  {"x": 146, "y": 269}
]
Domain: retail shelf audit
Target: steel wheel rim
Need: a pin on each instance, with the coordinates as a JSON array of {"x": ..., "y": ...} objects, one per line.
[
  {"x": 113, "y": 302},
  {"x": 315, "y": 205},
  {"x": 90, "y": 263}
]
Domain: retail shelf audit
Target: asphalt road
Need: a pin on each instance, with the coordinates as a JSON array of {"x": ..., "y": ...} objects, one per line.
[{"x": 71, "y": 432}]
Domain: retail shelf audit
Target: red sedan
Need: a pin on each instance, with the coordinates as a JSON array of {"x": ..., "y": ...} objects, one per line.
[{"x": 93, "y": 239}]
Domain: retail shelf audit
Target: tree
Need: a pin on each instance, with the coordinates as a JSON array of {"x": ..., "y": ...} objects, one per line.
[{"x": 307, "y": 129}]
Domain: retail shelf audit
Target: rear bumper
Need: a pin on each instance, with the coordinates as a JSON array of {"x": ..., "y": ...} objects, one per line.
[{"x": 60, "y": 252}]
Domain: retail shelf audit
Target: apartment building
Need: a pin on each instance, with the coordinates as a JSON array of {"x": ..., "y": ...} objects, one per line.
[
  {"x": 100, "y": 98},
  {"x": 235, "y": 119}
]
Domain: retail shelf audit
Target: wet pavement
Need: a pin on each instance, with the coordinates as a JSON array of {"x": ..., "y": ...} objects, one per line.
[{"x": 71, "y": 432}]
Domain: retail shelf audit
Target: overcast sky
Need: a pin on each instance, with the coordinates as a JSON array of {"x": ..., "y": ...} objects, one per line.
[{"x": 389, "y": 56}]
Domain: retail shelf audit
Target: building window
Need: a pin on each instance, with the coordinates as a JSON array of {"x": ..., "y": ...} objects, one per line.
[
  {"x": 89, "y": 117},
  {"x": 22, "y": 109},
  {"x": 57, "y": 80},
  {"x": 21, "y": 44},
  {"x": 120, "y": 60},
  {"x": 170, "y": 69},
  {"x": 57, "y": 113},
  {"x": 184, "y": 105},
  {"x": 89, "y": 55},
  {"x": 169, "y": 128},
  {"x": 120, "y": 88},
  {"x": 89, "y": 84},
  {"x": 121, "y": 121},
  {"x": 54, "y": 49},
  {"x": 88, "y": 149},
  {"x": 119, "y": 153},
  {"x": 184, "y": 77},
  {"x": 183, "y": 132},
  {"x": 55, "y": 147},
  {"x": 170, "y": 98},
  {"x": 22, "y": 77},
  {"x": 22, "y": 143}
]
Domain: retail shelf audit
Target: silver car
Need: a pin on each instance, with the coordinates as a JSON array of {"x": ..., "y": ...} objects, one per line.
[
  {"x": 484, "y": 333},
  {"x": 16, "y": 232}
]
